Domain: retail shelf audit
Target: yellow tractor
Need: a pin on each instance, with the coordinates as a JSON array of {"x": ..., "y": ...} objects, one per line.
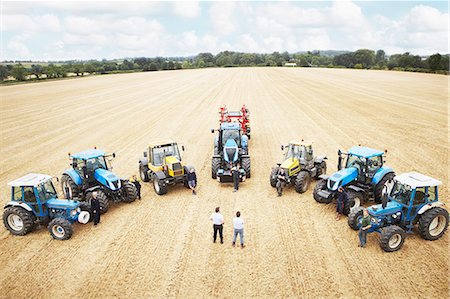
[
  {"x": 299, "y": 165},
  {"x": 161, "y": 164}
]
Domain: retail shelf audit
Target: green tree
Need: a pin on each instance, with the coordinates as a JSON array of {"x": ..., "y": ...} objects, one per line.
[
  {"x": 4, "y": 72},
  {"x": 37, "y": 70},
  {"x": 435, "y": 62},
  {"x": 186, "y": 65},
  {"x": 380, "y": 58},
  {"x": 19, "y": 72},
  {"x": 364, "y": 57}
]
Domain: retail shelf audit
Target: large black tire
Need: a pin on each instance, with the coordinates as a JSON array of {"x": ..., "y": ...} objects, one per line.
[
  {"x": 355, "y": 199},
  {"x": 72, "y": 189},
  {"x": 18, "y": 220},
  {"x": 302, "y": 181},
  {"x": 321, "y": 169},
  {"x": 160, "y": 189},
  {"x": 247, "y": 167},
  {"x": 273, "y": 176},
  {"x": 129, "y": 191},
  {"x": 215, "y": 165},
  {"x": 392, "y": 238},
  {"x": 143, "y": 172},
  {"x": 433, "y": 223},
  {"x": 321, "y": 185},
  {"x": 86, "y": 206},
  {"x": 103, "y": 200},
  {"x": 354, "y": 218},
  {"x": 60, "y": 229},
  {"x": 378, "y": 191}
]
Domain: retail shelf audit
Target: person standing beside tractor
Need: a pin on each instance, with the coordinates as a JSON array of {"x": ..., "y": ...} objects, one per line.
[
  {"x": 281, "y": 181},
  {"x": 365, "y": 225},
  {"x": 238, "y": 225},
  {"x": 95, "y": 207},
  {"x": 192, "y": 180},
  {"x": 217, "y": 220},
  {"x": 342, "y": 198},
  {"x": 137, "y": 184},
  {"x": 235, "y": 173}
]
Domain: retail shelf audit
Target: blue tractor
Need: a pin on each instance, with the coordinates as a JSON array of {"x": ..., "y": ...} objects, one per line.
[
  {"x": 412, "y": 200},
  {"x": 34, "y": 201},
  {"x": 90, "y": 172},
  {"x": 363, "y": 177},
  {"x": 230, "y": 148}
]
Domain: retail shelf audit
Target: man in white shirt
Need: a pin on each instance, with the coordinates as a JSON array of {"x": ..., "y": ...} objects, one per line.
[
  {"x": 238, "y": 225},
  {"x": 217, "y": 220}
]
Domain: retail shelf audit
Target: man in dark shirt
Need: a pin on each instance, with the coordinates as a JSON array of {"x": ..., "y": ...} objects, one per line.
[
  {"x": 95, "y": 207},
  {"x": 192, "y": 180},
  {"x": 365, "y": 225},
  {"x": 281, "y": 181},
  {"x": 340, "y": 202},
  {"x": 236, "y": 177},
  {"x": 137, "y": 184}
]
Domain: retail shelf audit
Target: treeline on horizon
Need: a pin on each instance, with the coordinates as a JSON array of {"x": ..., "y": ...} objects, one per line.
[{"x": 360, "y": 59}]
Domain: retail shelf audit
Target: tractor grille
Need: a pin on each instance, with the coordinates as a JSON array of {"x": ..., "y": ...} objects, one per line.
[
  {"x": 230, "y": 153},
  {"x": 176, "y": 166},
  {"x": 116, "y": 184}
]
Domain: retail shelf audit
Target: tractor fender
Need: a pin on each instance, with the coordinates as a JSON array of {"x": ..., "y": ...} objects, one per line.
[
  {"x": 74, "y": 176},
  {"x": 93, "y": 189},
  {"x": 245, "y": 156},
  {"x": 244, "y": 141},
  {"x": 320, "y": 159},
  {"x": 143, "y": 161},
  {"x": 430, "y": 206},
  {"x": 216, "y": 156},
  {"x": 355, "y": 188},
  {"x": 381, "y": 173},
  {"x": 324, "y": 177},
  {"x": 18, "y": 204},
  {"x": 160, "y": 175},
  {"x": 187, "y": 168}
]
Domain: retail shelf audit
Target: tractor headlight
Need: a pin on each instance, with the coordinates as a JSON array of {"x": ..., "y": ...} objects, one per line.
[
  {"x": 73, "y": 212},
  {"x": 78, "y": 210}
]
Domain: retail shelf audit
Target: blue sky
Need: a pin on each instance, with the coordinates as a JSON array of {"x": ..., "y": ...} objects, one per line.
[{"x": 61, "y": 30}]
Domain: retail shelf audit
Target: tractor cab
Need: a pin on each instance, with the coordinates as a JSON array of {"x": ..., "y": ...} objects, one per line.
[
  {"x": 165, "y": 156},
  {"x": 365, "y": 161},
  {"x": 298, "y": 153}
]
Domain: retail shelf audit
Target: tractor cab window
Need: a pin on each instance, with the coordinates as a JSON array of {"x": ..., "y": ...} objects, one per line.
[
  {"x": 231, "y": 134},
  {"x": 419, "y": 197},
  {"x": 374, "y": 163},
  {"x": 46, "y": 191},
  {"x": 295, "y": 151},
  {"x": 355, "y": 161},
  {"x": 432, "y": 193},
  {"x": 17, "y": 193},
  {"x": 79, "y": 165},
  {"x": 95, "y": 163},
  {"x": 309, "y": 154},
  {"x": 28, "y": 194},
  {"x": 401, "y": 193},
  {"x": 166, "y": 151}
]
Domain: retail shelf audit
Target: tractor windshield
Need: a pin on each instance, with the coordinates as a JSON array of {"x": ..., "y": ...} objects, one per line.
[
  {"x": 401, "y": 193},
  {"x": 46, "y": 190},
  {"x": 167, "y": 151},
  {"x": 231, "y": 134},
  {"x": 95, "y": 163},
  {"x": 355, "y": 161},
  {"x": 295, "y": 151}
]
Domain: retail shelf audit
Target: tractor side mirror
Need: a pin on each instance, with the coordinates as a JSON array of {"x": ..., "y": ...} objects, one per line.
[
  {"x": 145, "y": 154},
  {"x": 282, "y": 147},
  {"x": 182, "y": 148},
  {"x": 212, "y": 130},
  {"x": 114, "y": 155},
  {"x": 74, "y": 164}
]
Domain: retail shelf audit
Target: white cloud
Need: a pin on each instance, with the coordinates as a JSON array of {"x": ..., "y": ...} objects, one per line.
[
  {"x": 187, "y": 9},
  {"x": 18, "y": 47},
  {"x": 221, "y": 15}
]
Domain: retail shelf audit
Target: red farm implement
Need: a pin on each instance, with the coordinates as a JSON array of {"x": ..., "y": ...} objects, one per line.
[{"x": 242, "y": 116}]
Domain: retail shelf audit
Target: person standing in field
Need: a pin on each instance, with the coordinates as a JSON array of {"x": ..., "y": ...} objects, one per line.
[
  {"x": 137, "y": 184},
  {"x": 236, "y": 177},
  {"x": 365, "y": 225},
  {"x": 95, "y": 208},
  {"x": 238, "y": 225},
  {"x": 340, "y": 202},
  {"x": 192, "y": 180},
  {"x": 217, "y": 220}
]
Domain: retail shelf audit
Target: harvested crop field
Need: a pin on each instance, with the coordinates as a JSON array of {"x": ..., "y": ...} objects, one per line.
[{"x": 162, "y": 246}]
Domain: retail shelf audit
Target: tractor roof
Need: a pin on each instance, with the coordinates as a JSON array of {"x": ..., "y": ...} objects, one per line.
[
  {"x": 161, "y": 142},
  {"x": 302, "y": 142},
  {"x": 364, "y": 152},
  {"x": 89, "y": 154},
  {"x": 31, "y": 179},
  {"x": 416, "y": 180},
  {"x": 230, "y": 126}
]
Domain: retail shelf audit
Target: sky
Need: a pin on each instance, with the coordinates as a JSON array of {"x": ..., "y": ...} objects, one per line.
[{"x": 66, "y": 30}]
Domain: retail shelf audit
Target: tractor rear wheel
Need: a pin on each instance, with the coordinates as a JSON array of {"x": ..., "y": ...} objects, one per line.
[
  {"x": 354, "y": 218},
  {"x": 321, "y": 185},
  {"x": 215, "y": 165},
  {"x": 18, "y": 220},
  {"x": 246, "y": 166},
  {"x": 355, "y": 199},
  {"x": 143, "y": 172},
  {"x": 392, "y": 238},
  {"x": 102, "y": 199},
  {"x": 302, "y": 181},
  {"x": 433, "y": 223},
  {"x": 273, "y": 176},
  {"x": 69, "y": 188},
  {"x": 321, "y": 169},
  {"x": 129, "y": 191},
  {"x": 159, "y": 187},
  {"x": 60, "y": 229},
  {"x": 378, "y": 192}
]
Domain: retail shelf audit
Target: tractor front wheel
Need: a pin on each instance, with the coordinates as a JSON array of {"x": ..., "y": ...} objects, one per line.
[
  {"x": 129, "y": 192},
  {"x": 273, "y": 176},
  {"x": 355, "y": 200},
  {"x": 246, "y": 166},
  {"x": 102, "y": 199},
  {"x": 321, "y": 185},
  {"x": 322, "y": 169},
  {"x": 18, "y": 220},
  {"x": 143, "y": 172},
  {"x": 69, "y": 188},
  {"x": 302, "y": 181},
  {"x": 215, "y": 165},
  {"x": 433, "y": 223},
  {"x": 392, "y": 238},
  {"x": 60, "y": 229},
  {"x": 354, "y": 218},
  {"x": 159, "y": 186}
]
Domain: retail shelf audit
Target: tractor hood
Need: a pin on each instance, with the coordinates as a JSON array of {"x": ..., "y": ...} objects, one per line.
[
  {"x": 62, "y": 204},
  {"x": 342, "y": 178},
  {"x": 107, "y": 179},
  {"x": 289, "y": 163},
  {"x": 230, "y": 151},
  {"x": 172, "y": 160},
  {"x": 391, "y": 208}
]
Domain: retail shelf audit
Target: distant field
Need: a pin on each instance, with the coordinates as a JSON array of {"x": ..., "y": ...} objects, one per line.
[{"x": 161, "y": 246}]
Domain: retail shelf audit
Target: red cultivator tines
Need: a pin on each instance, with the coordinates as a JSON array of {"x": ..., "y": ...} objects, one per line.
[{"x": 242, "y": 116}]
